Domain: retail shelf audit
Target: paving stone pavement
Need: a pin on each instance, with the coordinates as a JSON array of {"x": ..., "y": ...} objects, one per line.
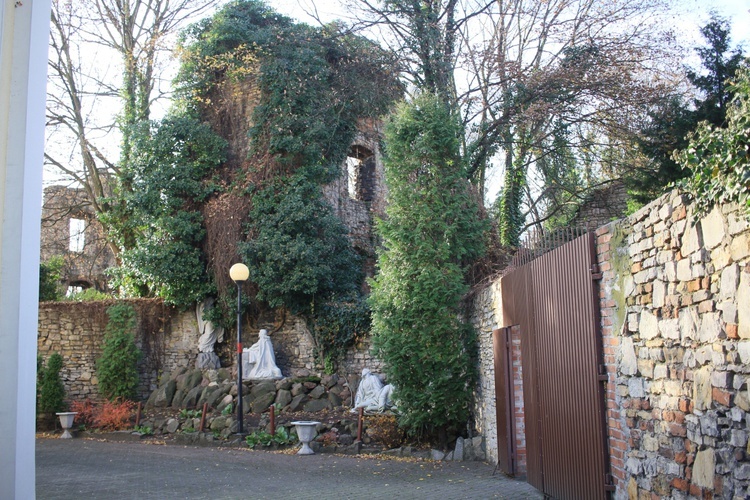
[{"x": 87, "y": 468}]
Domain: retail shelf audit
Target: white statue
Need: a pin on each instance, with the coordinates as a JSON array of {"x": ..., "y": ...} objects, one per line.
[
  {"x": 372, "y": 395},
  {"x": 259, "y": 362},
  {"x": 210, "y": 334}
]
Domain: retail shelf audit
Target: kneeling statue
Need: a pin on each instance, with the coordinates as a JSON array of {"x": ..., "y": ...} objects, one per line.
[
  {"x": 372, "y": 395},
  {"x": 259, "y": 361}
]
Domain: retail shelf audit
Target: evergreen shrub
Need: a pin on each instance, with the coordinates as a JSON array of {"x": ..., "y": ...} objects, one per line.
[{"x": 117, "y": 367}]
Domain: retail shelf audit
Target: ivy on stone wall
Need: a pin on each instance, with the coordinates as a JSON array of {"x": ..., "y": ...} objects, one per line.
[
  {"x": 117, "y": 368},
  {"x": 719, "y": 158},
  {"x": 169, "y": 174},
  {"x": 313, "y": 84}
]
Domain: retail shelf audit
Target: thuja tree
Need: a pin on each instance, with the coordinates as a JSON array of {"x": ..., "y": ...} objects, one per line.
[
  {"x": 117, "y": 368},
  {"x": 51, "y": 390},
  {"x": 431, "y": 232}
]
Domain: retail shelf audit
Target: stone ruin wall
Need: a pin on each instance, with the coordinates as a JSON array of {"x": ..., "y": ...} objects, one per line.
[
  {"x": 675, "y": 304},
  {"x": 76, "y": 329},
  {"x": 61, "y": 204}
]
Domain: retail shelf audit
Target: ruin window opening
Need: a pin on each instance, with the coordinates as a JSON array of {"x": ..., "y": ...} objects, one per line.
[
  {"x": 360, "y": 169},
  {"x": 76, "y": 287},
  {"x": 77, "y": 237}
]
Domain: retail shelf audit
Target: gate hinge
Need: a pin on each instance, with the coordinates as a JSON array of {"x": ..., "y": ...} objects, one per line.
[
  {"x": 602, "y": 376},
  {"x": 596, "y": 274},
  {"x": 609, "y": 484}
]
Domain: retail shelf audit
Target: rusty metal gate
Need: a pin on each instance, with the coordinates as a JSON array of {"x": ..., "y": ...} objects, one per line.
[{"x": 554, "y": 300}]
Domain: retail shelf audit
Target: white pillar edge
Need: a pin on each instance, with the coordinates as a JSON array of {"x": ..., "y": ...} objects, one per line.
[{"x": 24, "y": 41}]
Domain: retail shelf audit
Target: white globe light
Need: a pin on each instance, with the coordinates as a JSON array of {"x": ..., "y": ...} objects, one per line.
[{"x": 239, "y": 272}]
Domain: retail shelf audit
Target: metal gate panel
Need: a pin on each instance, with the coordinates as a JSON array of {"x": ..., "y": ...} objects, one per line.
[
  {"x": 504, "y": 401},
  {"x": 553, "y": 302}
]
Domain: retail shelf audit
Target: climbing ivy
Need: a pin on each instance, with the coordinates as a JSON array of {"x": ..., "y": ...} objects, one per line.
[
  {"x": 117, "y": 367},
  {"x": 309, "y": 87},
  {"x": 169, "y": 174},
  {"x": 719, "y": 158}
]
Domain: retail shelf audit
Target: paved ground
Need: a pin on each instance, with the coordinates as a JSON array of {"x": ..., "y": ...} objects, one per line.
[{"x": 86, "y": 468}]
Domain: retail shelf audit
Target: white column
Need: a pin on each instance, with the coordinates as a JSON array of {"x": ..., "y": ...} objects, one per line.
[{"x": 24, "y": 39}]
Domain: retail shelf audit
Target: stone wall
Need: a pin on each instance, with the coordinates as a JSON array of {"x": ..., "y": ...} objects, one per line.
[
  {"x": 675, "y": 312},
  {"x": 487, "y": 317},
  {"x": 676, "y": 325},
  {"x": 76, "y": 329},
  {"x": 84, "y": 268}
]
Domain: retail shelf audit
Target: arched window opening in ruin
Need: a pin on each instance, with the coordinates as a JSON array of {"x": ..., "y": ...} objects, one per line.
[
  {"x": 360, "y": 169},
  {"x": 77, "y": 287},
  {"x": 77, "y": 235}
]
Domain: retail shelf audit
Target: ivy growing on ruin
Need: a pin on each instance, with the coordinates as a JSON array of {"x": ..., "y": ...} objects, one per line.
[{"x": 260, "y": 200}]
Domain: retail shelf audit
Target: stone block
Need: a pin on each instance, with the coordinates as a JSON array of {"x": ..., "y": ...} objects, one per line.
[
  {"x": 660, "y": 372},
  {"x": 728, "y": 312},
  {"x": 646, "y": 368},
  {"x": 648, "y": 326},
  {"x": 743, "y": 309},
  {"x": 730, "y": 278},
  {"x": 628, "y": 361},
  {"x": 713, "y": 228},
  {"x": 670, "y": 328},
  {"x": 738, "y": 438},
  {"x": 703, "y": 468},
  {"x": 684, "y": 270},
  {"x": 702, "y": 397},
  {"x": 737, "y": 223},
  {"x": 688, "y": 318},
  {"x": 659, "y": 292},
  {"x": 710, "y": 328},
  {"x": 691, "y": 239},
  {"x": 743, "y": 348},
  {"x": 739, "y": 248},
  {"x": 636, "y": 388}
]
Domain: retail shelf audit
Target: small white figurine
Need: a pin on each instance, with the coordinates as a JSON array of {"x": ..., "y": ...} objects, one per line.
[{"x": 259, "y": 361}]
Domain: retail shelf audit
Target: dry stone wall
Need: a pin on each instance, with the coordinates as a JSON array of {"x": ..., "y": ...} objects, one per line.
[
  {"x": 76, "y": 329},
  {"x": 676, "y": 326}
]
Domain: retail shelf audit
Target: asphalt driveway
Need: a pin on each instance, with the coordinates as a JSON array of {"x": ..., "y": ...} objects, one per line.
[{"x": 88, "y": 468}]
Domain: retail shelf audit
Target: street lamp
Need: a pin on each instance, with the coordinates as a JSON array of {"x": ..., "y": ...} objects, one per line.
[{"x": 239, "y": 274}]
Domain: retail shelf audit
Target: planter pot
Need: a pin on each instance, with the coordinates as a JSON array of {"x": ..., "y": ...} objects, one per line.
[
  {"x": 306, "y": 433},
  {"x": 66, "y": 421}
]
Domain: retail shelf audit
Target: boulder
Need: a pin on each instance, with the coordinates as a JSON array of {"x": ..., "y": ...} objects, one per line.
[
  {"x": 217, "y": 395},
  {"x": 298, "y": 389},
  {"x": 297, "y": 402},
  {"x": 191, "y": 400},
  {"x": 317, "y": 405},
  {"x": 334, "y": 399},
  {"x": 317, "y": 392},
  {"x": 284, "y": 385},
  {"x": 262, "y": 388},
  {"x": 190, "y": 380},
  {"x": 164, "y": 394},
  {"x": 178, "y": 397},
  {"x": 261, "y": 403},
  {"x": 283, "y": 398}
]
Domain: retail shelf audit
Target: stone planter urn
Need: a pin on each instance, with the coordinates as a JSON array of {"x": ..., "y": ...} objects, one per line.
[
  {"x": 66, "y": 420},
  {"x": 305, "y": 433}
]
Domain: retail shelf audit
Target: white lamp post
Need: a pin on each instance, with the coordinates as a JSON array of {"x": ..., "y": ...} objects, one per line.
[{"x": 239, "y": 274}]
